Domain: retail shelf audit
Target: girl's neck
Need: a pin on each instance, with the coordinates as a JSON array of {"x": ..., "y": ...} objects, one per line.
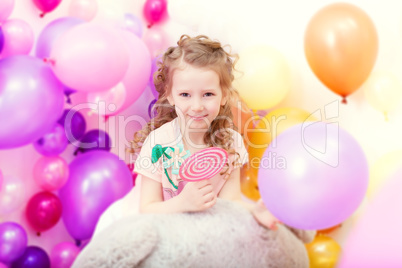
[{"x": 193, "y": 139}]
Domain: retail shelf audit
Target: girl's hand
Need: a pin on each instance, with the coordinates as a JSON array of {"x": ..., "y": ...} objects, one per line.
[
  {"x": 198, "y": 196},
  {"x": 264, "y": 216}
]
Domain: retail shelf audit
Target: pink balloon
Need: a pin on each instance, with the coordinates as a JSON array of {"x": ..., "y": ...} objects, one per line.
[
  {"x": 43, "y": 211},
  {"x": 90, "y": 57},
  {"x": 139, "y": 70},
  {"x": 63, "y": 255},
  {"x": 46, "y": 5},
  {"x": 18, "y": 38},
  {"x": 1, "y": 180},
  {"x": 108, "y": 101},
  {"x": 375, "y": 240},
  {"x": 313, "y": 176},
  {"x": 51, "y": 173},
  {"x": 155, "y": 11},
  {"x": 12, "y": 195},
  {"x": 83, "y": 9},
  {"x": 6, "y": 7},
  {"x": 156, "y": 40}
]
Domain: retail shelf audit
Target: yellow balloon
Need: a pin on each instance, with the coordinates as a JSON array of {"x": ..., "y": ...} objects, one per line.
[
  {"x": 269, "y": 127},
  {"x": 323, "y": 252},
  {"x": 264, "y": 77},
  {"x": 383, "y": 91},
  {"x": 382, "y": 169}
]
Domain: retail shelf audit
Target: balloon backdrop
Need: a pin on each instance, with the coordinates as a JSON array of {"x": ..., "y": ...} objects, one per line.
[
  {"x": 51, "y": 32},
  {"x": 18, "y": 38},
  {"x": 90, "y": 57},
  {"x": 1, "y": 39},
  {"x": 31, "y": 94},
  {"x": 95, "y": 139},
  {"x": 83, "y": 9},
  {"x": 13, "y": 241},
  {"x": 74, "y": 124},
  {"x": 323, "y": 252},
  {"x": 333, "y": 47},
  {"x": 46, "y": 5},
  {"x": 33, "y": 257},
  {"x": 43, "y": 211},
  {"x": 264, "y": 77},
  {"x": 375, "y": 239},
  {"x": 108, "y": 101},
  {"x": 1, "y": 179},
  {"x": 299, "y": 172},
  {"x": 96, "y": 180},
  {"x": 12, "y": 194},
  {"x": 155, "y": 11},
  {"x": 133, "y": 24},
  {"x": 53, "y": 142},
  {"x": 383, "y": 91},
  {"x": 63, "y": 255},
  {"x": 50, "y": 173},
  {"x": 6, "y": 7}
]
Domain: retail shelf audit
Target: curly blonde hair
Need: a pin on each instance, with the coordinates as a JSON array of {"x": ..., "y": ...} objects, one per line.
[{"x": 202, "y": 52}]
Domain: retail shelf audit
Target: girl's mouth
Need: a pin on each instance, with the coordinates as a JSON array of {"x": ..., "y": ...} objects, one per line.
[{"x": 198, "y": 117}]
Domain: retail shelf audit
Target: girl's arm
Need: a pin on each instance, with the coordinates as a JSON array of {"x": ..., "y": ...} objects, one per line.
[
  {"x": 231, "y": 191},
  {"x": 195, "y": 196}
]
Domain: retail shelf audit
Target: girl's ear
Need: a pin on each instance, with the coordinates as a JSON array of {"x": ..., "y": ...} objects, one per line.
[
  {"x": 170, "y": 99},
  {"x": 223, "y": 101}
]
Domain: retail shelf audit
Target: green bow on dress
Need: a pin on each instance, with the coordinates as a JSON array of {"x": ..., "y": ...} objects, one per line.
[{"x": 157, "y": 152}]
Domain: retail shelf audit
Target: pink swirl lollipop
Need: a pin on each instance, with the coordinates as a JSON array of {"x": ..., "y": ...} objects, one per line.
[{"x": 204, "y": 164}]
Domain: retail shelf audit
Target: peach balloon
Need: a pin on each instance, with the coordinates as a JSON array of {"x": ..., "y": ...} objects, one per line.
[{"x": 341, "y": 46}]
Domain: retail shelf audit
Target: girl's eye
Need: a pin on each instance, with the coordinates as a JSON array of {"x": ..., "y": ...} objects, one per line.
[
  {"x": 209, "y": 94},
  {"x": 184, "y": 94}
]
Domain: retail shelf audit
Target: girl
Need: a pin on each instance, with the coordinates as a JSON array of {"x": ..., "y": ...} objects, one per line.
[{"x": 193, "y": 112}]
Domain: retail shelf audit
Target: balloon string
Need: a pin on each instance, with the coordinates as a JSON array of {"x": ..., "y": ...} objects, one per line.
[
  {"x": 38, "y": 233},
  {"x": 42, "y": 14},
  {"x": 344, "y": 100},
  {"x": 77, "y": 242}
]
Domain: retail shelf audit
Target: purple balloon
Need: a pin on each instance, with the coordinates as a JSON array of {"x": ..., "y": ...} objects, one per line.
[
  {"x": 95, "y": 139},
  {"x": 313, "y": 176},
  {"x": 33, "y": 257},
  {"x": 96, "y": 180},
  {"x": 53, "y": 142},
  {"x": 1, "y": 39},
  {"x": 74, "y": 124},
  {"x": 151, "y": 105},
  {"x": 31, "y": 100},
  {"x": 133, "y": 24},
  {"x": 68, "y": 91},
  {"x": 51, "y": 32},
  {"x": 154, "y": 68},
  {"x": 63, "y": 255},
  {"x": 13, "y": 241}
]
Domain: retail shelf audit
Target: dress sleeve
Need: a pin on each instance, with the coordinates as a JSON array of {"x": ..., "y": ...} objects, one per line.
[
  {"x": 143, "y": 164},
  {"x": 238, "y": 146}
]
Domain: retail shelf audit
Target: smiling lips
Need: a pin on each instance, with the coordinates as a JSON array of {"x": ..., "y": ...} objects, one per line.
[{"x": 198, "y": 117}]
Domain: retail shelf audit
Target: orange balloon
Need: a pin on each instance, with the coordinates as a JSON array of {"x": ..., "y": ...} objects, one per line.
[
  {"x": 341, "y": 46},
  {"x": 249, "y": 183},
  {"x": 323, "y": 252}
]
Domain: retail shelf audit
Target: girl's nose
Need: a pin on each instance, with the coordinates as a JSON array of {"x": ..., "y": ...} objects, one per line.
[{"x": 197, "y": 105}]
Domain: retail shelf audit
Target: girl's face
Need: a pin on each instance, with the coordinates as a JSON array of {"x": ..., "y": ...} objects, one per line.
[{"x": 197, "y": 96}]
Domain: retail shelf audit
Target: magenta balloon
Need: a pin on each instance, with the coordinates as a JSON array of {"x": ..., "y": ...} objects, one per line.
[
  {"x": 18, "y": 38},
  {"x": 13, "y": 241},
  {"x": 53, "y": 142},
  {"x": 51, "y": 32},
  {"x": 46, "y": 5},
  {"x": 50, "y": 173},
  {"x": 366, "y": 245},
  {"x": 6, "y": 7},
  {"x": 313, "y": 176},
  {"x": 90, "y": 57},
  {"x": 1, "y": 39},
  {"x": 154, "y": 10},
  {"x": 138, "y": 71},
  {"x": 43, "y": 211},
  {"x": 97, "y": 179},
  {"x": 31, "y": 100},
  {"x": 63, "y": 255}
]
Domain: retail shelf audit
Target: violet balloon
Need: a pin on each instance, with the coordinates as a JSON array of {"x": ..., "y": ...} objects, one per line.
[
  {"x": 151, "y": 113},
  {"x": 51, "y": 32},
  {"x": 33, "y": 257},
  {"x": 53, "y": 142},
  {"x": 29, "y": 89},
  {"x": 313, "y": 176},
  {"x": 96, "y": 180},
  {"x": 43, "y": 211},
  {"x": 50, "y": 173},
  {"x": 74, "y": 124},
  {"x": 46, "y": 5},
  {"x": 151, "y": 84},
  {"x": 1, "y": 39},
  {"x": 13, "y": 241},
  {"x": 133, "y": 24},
  {"x": 95, "y": 139},
  {"x": 63, "y": 255}
]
